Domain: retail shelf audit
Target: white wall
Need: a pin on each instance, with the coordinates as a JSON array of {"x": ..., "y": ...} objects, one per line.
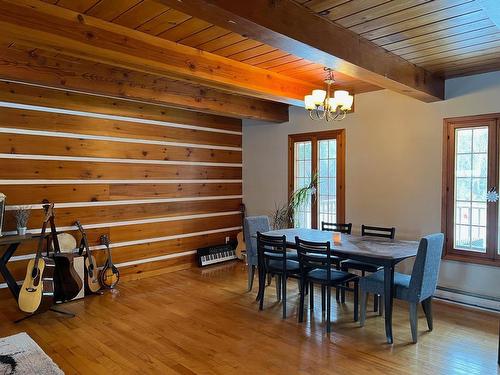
[{"x": 393, "y": 164}]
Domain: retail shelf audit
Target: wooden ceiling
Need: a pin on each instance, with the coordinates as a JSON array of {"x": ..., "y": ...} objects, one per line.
[
  {"x": 447, "y": 37},
  {"x": 156, "y": 19}
]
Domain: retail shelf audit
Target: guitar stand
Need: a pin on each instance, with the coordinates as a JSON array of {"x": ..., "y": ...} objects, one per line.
[{"x": 51, "y": 309}]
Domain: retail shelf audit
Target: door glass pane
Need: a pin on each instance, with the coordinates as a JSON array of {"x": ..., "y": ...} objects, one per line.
[
  {"x": 302, "y": 173},
  {"x": 471, "y": 181},
  {"x": 327, "y": 180}
]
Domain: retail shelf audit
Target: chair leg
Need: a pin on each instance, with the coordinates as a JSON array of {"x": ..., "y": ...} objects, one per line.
[
  {"x": 278, "y": 287},
  {"x": 342, "y": 294},
  {"x": 302, "y": 289},
  {"x": 261, "y": 300},
  {"x": 375, "y": 302},
  {"x": 356, "y": 297},
  {"x": 269, "y": 278},
  {"x": 380, "y": 305},
  {"x": 311, "y": 296},
  {"x": 414, "y": 321},
  {"x": 283, "y": 284},
  {"x": 427, "y": 306},
  {"x": 323, "y": 297},
  {"x": 364, "y": 300},
  {"x": 337, "y": 294},
  {"x": 251, "y": 275},
  {"x": 328, "y": 308}
]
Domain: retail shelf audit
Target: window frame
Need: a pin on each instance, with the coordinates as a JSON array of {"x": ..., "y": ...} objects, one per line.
[
  {"x": 491, "y": 256},
  {"x": 314, "y": 137}
]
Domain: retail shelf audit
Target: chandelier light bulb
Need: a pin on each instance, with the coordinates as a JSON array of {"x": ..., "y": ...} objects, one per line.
[
  {"x": 319, "y": 97},
  {"x": 309, "y": 102}
]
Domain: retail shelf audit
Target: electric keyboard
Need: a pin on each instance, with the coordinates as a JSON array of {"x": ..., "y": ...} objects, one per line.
[{"x": 215, "y": 254}]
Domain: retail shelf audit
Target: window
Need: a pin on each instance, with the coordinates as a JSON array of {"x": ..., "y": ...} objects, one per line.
[
  {"x": 471, "y": 176},
  {"x": 320, "y": 154}
]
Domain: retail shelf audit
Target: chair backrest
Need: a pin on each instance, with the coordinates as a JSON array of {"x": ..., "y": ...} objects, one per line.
[
  {"x": 425, "y": 272},
  {"x": 336, "y": 227},
  {"x": 314, "y": 255},
  {"x": 367, "y": 230},
  {"x": 251, "y": 226},
  {"x": 271, "y": 248}
]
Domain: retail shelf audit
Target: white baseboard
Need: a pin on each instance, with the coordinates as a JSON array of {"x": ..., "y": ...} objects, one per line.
[{"x": 468, "y": 299}]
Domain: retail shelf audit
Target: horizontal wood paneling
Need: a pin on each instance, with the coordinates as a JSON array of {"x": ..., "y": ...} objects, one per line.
[
  {"x": 46, "y": 121},
  {"x": 143, "y": 220},
  {"x": 109, "y": 214},
  {"x": 43, "y": 145},
  {"x": 104, "y": 192},
  {"x": 48, "y": 169},
  {"x": 34, "y": 95}
]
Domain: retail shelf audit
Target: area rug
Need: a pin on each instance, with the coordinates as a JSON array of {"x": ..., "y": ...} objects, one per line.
[{"x": 19, "y": 354}]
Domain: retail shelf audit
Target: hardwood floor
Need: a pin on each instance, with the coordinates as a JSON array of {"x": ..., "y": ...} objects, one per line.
[{"x": 201, "y": 322}]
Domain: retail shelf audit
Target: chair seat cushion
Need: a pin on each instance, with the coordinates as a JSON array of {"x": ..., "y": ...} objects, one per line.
[
  {"x": 357, "y": 265},
  {"x": 336, "y": 276},
  {"x": 374, "y": 283},
  {"x": 275, "y": 265}
]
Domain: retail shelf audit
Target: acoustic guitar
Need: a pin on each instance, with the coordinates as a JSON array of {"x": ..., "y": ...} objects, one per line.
[
  {"x": 109, "y": 274},
  {"x": 92, "y": 282},
  {"x": 37, "y": 292},
  {"x": 67, "y": 282},
  {"x": 241, "y": 247}
]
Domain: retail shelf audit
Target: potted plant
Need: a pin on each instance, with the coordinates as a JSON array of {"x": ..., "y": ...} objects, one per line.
[
  {"x": 22, "y": 214},
  {"x": 282, "y": 216}
]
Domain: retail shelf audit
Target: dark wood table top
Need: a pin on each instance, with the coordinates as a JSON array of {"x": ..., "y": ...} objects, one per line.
[{"x": 373, "y": 247}]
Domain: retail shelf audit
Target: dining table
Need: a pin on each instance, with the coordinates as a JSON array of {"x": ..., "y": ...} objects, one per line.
[{"x": 382, "y": 252}]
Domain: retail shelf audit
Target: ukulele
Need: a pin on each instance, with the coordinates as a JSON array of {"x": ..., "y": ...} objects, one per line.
[
  {"x": 91, "y": 272},
  {"x": 109, "y": 274},
  {"x": 67, "y": 282},
  {"x": 37, "y": 293},
  {"x": 241, "y": 247}
]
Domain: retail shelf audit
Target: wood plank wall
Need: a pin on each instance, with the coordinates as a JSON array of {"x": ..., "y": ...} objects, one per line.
[{"x": 160, "y": 182}]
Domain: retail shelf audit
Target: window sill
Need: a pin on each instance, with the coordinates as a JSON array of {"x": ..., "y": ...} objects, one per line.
[{"x": 469, "y": 259}]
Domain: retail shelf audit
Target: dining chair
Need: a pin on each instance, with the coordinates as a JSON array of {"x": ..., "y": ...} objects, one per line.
[
  {"x": 272, "y": 256},
  {"x": 315, "y": 262},
  {"x": 336, "y": 227},
  {"x": 252, "y": 225},
  {"x": 365, "y": 267},
  {"x": 416, "y": 288}
]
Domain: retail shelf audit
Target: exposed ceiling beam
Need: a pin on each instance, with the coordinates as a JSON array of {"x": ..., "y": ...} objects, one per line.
[
  {"x": 295, "y": 29},
  {"x": 56, "y": 29},
  {"x": 19, "y": 63}
]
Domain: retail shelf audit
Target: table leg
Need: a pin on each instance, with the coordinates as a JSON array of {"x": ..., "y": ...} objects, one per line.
[
  {"x": 388, "y": 300},
  {"x": 9, "y": 279}
]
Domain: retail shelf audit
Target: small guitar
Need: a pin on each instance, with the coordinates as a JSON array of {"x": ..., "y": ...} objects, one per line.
[
  {"x": 37, "y": 293},
  {"x": 109, "y": 274},
  {"x": 67, "y": 282},
  {"x": 91, "y": 272},
  {"x": 241, "y": 247}
]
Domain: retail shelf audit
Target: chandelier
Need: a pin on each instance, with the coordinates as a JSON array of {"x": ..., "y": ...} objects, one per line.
[{"x": 321, "y": 106}]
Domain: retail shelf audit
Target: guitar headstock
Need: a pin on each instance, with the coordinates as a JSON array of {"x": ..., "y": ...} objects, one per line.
[
  {"x": 49, "y": 210},
  {"x": 80, "y": 228},
  {"x": 104, "y": 240}
]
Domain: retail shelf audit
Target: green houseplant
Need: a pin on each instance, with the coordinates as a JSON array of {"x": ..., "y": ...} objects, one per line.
[{"x": 282, "y": 216}]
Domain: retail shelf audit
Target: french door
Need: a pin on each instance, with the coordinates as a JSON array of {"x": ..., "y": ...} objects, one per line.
[
  {"x": 470, "y": 189},
  {"x": 320, "y": 155}
]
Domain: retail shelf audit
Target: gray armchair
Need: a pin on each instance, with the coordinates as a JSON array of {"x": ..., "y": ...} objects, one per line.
[
  {"x": 415, "y": 288},
  {"x": 251, "y": 226}
]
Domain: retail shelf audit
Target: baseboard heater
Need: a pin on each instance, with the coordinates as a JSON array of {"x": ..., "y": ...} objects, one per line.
[{"x": 468, "y": 299}]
